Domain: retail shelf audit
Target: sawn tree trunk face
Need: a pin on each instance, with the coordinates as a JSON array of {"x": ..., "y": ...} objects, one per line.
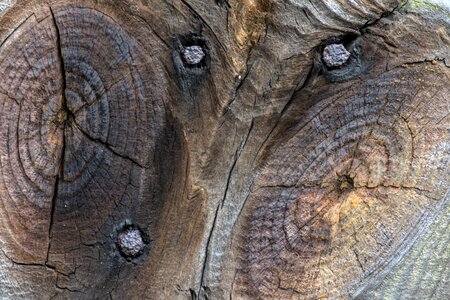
[{"x": 136, "y": 166}]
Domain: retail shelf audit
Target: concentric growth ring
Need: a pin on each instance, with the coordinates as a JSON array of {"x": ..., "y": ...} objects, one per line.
[
  {"x": 31, "y": 135},
  {"x": 342, "y": 197},
  {"x": 77, "y": 141}
]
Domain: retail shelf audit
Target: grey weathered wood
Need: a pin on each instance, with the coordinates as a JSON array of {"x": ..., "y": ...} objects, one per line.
[{"x": 260, "y": 174}]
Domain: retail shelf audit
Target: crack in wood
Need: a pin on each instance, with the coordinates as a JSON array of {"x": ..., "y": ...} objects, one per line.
[{"x": 60, "y": 173}]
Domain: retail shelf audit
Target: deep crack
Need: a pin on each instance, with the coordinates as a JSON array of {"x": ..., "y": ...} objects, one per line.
[{"x": 60, "y": 173}]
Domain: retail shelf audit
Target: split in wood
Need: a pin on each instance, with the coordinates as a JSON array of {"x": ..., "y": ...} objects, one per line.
[{"x": 345, "y": 183}]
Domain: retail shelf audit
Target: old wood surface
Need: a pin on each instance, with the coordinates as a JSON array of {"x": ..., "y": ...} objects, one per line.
[{"x": 257, "y": 174}]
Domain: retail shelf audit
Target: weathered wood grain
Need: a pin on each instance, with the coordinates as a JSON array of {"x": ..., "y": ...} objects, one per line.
[
  {"x": 346, "y": 194},
  {"x": 85, "y": 144},
  {"x": 386, "y": 44},
  {"x": 257, "y": 174}
]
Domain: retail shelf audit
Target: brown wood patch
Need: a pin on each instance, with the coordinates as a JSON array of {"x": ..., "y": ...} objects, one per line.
[
  {"x": 85, "y": 145},
  {"x": 337, "y": 202}
]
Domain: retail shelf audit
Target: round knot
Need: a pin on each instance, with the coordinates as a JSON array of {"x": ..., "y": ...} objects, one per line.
[
  {"x": 193, "y": 55},
  {"x": 335, "y": 55},
  {"x": 131, "y": 242}
]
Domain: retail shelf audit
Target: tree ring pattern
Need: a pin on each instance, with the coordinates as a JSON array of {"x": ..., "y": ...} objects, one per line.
[
  {"x": 345, "y": 194},
  {"x": 81, "y": 115}
]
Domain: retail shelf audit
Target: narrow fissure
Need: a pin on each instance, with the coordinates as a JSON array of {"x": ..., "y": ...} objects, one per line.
[
  {"x": 311, "y": 74},
  {"x": 384, "y": 15},
  {"x": 205, "y": 262},
  {"x": 220, "y": 205},
  {"x": 108, "y": 146},
  {"x": 60, "y": 173}
]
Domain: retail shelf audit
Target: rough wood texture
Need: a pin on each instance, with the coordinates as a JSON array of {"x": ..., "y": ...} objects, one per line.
[
  {"x": 85, "y": 144},
  {"x": 258, "y": 173},
  {"x": 360, "y": 176}
]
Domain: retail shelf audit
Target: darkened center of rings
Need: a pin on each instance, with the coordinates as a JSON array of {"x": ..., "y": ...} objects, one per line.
[
  {"x": 132, "y": 241},
  {"x": 345, "y": 183}
]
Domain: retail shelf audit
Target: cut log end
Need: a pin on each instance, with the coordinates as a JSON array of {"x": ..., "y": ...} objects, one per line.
[
  {"x": 83, "y": 129},
  {"x": 338, "y": 201}
]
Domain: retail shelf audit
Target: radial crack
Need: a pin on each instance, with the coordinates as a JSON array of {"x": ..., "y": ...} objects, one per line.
[
  {"x": 60, "y": 172},
  {"x": 98, "y": 141}
]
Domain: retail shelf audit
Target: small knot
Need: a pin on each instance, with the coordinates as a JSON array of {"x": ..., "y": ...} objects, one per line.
[
  {"x": 192, "y": 55},
  {"x": 335, "y": 55},
  {"x": 131, "y": 242}
]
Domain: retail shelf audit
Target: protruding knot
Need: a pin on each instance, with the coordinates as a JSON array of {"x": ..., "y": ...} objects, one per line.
[
  {"x": 193, "y": 55},
  {"x": 335, "y": 55},
  {"x": 131, "y": 242}
]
